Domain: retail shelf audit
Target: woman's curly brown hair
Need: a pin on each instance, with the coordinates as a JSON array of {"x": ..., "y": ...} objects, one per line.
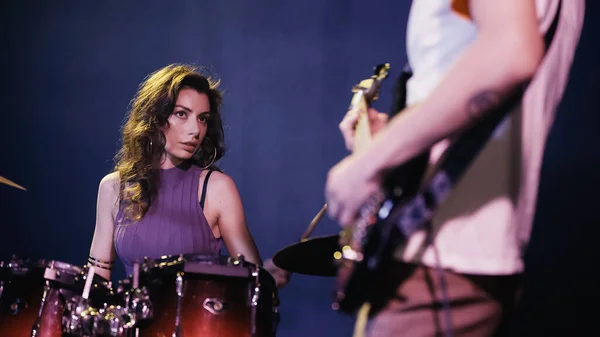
[{"x": 139, "y": 158}]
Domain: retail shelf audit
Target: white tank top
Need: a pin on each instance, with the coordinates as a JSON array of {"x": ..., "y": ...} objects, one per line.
[
  {"x": 485, "y": 224},
  {"x": 436, "y": 36}
]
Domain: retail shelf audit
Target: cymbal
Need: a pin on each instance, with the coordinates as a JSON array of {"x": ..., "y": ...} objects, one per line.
[
  {"x": 11, "y": 183},
  {"x": 312, "y": 256}
]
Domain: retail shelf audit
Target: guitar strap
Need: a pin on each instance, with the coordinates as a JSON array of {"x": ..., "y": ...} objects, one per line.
[
  {"x": 399, "y": 92},
  {"x": 419, "y": 210}
]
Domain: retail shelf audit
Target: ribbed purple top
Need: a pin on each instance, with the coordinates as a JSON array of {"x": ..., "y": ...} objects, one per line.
[{"x": 173, "y": 225}]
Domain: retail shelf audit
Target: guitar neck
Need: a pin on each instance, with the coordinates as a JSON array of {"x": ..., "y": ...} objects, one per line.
[
  {"x": 362, "y": 131},
  {"x": 366, "y": 92}
]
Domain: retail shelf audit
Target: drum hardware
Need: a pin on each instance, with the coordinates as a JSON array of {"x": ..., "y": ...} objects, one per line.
[
  {"x": 81, "y": 316},
  {"x": 37, "y": 325},
  {"x": 179, "y": 292},
  {"x": 113, "y": 321},
  {"x": 1, "y": 282},
  {"x": 85, "y": 320},
  {"x": 138, "y": 299},
  {"x": 255, "y": 297},
  {"x": 119, "y": 321},
  {"x": 238, "y": 260}
]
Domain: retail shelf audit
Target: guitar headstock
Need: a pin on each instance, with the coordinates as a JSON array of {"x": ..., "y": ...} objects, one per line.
[
  {"x": 365, "y": 93},
  {"x": 370, "y": 86}
]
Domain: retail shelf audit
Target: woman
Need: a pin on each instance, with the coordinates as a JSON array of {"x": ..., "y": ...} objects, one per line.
[{"x": 158, "y": 201}]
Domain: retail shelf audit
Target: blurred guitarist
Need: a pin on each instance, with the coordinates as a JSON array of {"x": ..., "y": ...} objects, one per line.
[{"x": 461, "y": 275}]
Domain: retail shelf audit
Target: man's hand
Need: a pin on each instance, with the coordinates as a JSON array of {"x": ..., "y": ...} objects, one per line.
[
  {"x": 377, "y": 120},
  {"x": 281, "y": 276},
  {"x": 350, "y": 184}
]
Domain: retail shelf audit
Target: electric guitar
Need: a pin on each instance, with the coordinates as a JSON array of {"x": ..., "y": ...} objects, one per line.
[
  {"x": 368, "y": 243},
  {"x": 406, "y": 201}
]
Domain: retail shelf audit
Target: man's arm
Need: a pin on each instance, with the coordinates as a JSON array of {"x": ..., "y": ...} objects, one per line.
[{"x": 507, "y": 52}]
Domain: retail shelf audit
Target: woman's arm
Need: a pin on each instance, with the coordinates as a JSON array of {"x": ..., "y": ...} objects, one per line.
[
  {"x": 102, "y": 250},
  {"x": 224, "y": 198}
]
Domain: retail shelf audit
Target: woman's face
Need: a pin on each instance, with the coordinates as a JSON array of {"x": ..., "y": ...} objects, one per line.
[{"x": 187, "y": 126}]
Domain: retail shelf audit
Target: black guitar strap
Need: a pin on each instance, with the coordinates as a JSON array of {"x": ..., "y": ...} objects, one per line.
[
  {"x": 399, "y": 92},
  {"x": 420, "y": 209}
]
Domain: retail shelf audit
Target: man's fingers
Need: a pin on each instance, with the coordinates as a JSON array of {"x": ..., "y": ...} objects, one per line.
[
  {"x": 345, "y": 219},
  {"x": 376, "y": 116},
  {"x": 332, "y": 209},
  {"x": 383, "y": 117},
  {"x": 349, "y": 121},
  {"x": 347, "y": 126}
]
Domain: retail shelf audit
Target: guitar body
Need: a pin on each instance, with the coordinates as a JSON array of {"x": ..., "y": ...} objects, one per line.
[
  {"x": 373, "y": 242},
  {"x": 367, "y": 245}
]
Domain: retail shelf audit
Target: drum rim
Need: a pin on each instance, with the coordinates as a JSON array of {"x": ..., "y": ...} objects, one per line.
[
  {"x": 77, "y": 274},
  {"x": 23, "y": 263},
  {"x": 179, "y": 259},
  {"x": 65, "y": 267}
]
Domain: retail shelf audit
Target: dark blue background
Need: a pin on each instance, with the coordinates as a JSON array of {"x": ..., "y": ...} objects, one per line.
[{"x": 69, "y": 69}]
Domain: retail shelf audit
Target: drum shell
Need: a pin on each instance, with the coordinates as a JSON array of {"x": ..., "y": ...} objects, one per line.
[
  {"x": 208, "y": 283},
  {"x": 22, "y": 289},
  {"x": 52, "y": 284}
]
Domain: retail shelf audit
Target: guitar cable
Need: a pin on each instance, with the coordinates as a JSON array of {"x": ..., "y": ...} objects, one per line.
[{"x": 445, "y": 297}]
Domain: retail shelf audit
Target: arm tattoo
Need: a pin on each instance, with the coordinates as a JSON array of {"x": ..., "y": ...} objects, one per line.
[{"x": 482, "y": 103}]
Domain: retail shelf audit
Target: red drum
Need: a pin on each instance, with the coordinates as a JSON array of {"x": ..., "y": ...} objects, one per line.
[
  {"x": 21, "y": 290},
  {"x": 40, "y": 299},
  {"x": 198, "y": 295},
  {"x": 64, "y": 310}
]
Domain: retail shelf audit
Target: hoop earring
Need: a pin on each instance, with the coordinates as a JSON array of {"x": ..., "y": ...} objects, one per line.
[
  {"x": 150, "y": 145},
  {"x": 213, "y": 159}
]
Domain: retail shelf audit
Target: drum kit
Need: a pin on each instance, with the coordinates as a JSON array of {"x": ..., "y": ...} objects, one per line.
[{"x": 178, "y": 295}]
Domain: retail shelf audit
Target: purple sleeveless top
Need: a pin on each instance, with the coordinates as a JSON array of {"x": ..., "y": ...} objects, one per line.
[{"x": 173, "y": 225}]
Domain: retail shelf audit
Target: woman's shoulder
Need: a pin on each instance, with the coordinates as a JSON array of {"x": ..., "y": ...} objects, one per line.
[
  {"x": 218, "y": 180},
  {"x": 109, "y": 184}
]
